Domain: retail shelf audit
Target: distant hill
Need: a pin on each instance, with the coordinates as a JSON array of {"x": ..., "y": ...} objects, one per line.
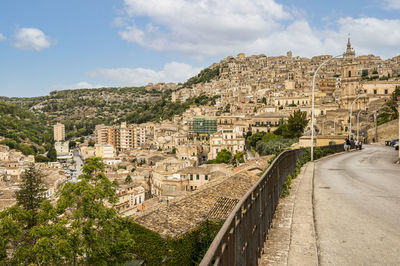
[
  {"x": 23, "y": 130},
  {"x": 82, "y": 109}
]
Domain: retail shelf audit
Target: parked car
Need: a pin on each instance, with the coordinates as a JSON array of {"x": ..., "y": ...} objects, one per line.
[
  {"x": 394, "y": 141},
  {"x": 396, "y": 145}
]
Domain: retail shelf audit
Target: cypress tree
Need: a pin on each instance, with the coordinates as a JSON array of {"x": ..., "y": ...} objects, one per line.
[{"x": 30, "y": 195}]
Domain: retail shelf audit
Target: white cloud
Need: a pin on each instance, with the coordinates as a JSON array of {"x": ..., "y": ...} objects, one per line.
[
  {"x": 31, "y": 39},
  {"x": 79, "y": 85},
  {"x": 392, "y": 4},
  {"x": 2, "y": 37},
  {"x": 207, "y": 27},
  {"x": 171, "y": 72},
  {"x": 214, "y": 28},
  {"x": 372, "y": 35}
]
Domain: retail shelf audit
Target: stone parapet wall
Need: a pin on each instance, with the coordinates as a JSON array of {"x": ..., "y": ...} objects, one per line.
[{"x": 387, "y": 131}]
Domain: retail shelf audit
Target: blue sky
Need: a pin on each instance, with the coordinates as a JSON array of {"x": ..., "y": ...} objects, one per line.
[{"x": 47, "y": 45}]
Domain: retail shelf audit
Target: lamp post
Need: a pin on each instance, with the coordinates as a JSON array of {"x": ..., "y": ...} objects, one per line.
[
  {"x": 358, "y": 123},
  {"x": 398, "y": 102},
  {"x": 312, "y": 103},
  {"x": 351, "y": 111},
  {"x": 358, "y": 120}
]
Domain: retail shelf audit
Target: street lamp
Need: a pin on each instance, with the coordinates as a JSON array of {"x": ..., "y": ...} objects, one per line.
[
  {"x": 351, "y": 110},
  {"x": 358, "y": 120},
  {"x": 312, "y": 103},
  {"x": 358, "y": 123}
]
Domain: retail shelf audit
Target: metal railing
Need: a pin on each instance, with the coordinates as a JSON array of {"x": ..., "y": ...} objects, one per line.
[{"x": 240, "y": 240}]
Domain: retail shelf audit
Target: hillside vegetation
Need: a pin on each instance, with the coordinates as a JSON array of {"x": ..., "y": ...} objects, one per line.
[
  {"x": 206, "y": 75},
  {"x": 24, "y": 119},
  {"x": 24, "y": 130}
]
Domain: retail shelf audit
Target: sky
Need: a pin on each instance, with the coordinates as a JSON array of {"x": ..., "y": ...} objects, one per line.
[{"x": 48, "y": 45}]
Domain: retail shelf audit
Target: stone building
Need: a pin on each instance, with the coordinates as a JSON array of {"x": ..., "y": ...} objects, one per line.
[
  {"x": 130, "y": 196},
  {"x": 229, "y": 139}
]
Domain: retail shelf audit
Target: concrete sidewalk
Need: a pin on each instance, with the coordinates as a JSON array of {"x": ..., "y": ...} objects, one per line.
[{"x": 291, "y": 239}]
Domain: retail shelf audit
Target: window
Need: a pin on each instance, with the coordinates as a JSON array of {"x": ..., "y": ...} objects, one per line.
[
  {"x": 191, "y": 177},
  {"x": 140, "y": 200},
  {"x": 197, "y": 177},
  {"x": 135, "y": 202},
  {"x": 349, "y": 74},
  {"x": 206, "y": 177},
  {"x": 375, "y": 91},
  {"x": 386, "y": 91}
]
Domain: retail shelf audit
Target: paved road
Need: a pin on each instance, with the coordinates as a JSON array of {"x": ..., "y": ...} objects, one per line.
[
  {"x": 357, "y": 208},
  {"x": 78, "y": 162}
]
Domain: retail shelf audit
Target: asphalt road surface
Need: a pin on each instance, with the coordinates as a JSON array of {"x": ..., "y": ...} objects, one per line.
[
  {"x": 78, "y": 162},
  {"x": 357, "y": 208}
]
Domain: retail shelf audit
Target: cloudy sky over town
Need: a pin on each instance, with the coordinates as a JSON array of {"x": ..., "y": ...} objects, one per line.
[{"x": 47, "y": 45}]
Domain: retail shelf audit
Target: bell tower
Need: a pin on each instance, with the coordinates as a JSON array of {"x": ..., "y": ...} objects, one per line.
[
  {"x": 350, "y": 54},
  {"x": 350, "y": 77}
]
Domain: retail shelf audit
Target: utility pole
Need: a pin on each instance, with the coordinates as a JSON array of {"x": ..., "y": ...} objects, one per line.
[
  {"x": 376, "y": 126},
  {"x": 358, "y": 124},
  {"x": 398, "y": 102},
  {"x": 334, "y": 127}
]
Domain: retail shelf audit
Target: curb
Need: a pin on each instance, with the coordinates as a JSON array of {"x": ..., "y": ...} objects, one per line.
[{"x": 302, "y": 248}]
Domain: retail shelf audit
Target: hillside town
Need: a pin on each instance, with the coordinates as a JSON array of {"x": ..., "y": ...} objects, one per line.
[{"x": 163, "y": 168}]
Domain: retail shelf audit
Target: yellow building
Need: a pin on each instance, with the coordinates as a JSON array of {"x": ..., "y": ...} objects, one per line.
[{"x": 59, "y": 132}]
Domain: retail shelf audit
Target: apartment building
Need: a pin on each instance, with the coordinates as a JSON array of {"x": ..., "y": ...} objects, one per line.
[
  {"x": 59, "y": 132},
  {"x": 130, "y": 196},
  {"x": 229, "y": 139}
]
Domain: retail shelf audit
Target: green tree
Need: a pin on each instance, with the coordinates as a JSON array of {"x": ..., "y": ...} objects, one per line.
[
  {"x": 274, "y": 146},
  {"x": 41, "y": 159},
  {"x": 79, "y": 230},
  {"x": 282, "y": 130},
  {"x": 30, "y": 194},
  {"x": 254, "y": 138},
  {"x": 296, "y": 123},
  {"x": 238, "y": 158},
  {"x": 248, "y": 134},
  {"x": 72, "y": 144},
  {"x": 223, "y": 156},
  {"x": 91, "y": 143},
  {"x": 227, "y": 108},
  {"x": 264, "y": 100},
  {"x": 97, "y": 235},
  {"x": 52, "y": 154},
  {"x": 389, "y": 111},
  {"x": 128, "y": 179}
]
